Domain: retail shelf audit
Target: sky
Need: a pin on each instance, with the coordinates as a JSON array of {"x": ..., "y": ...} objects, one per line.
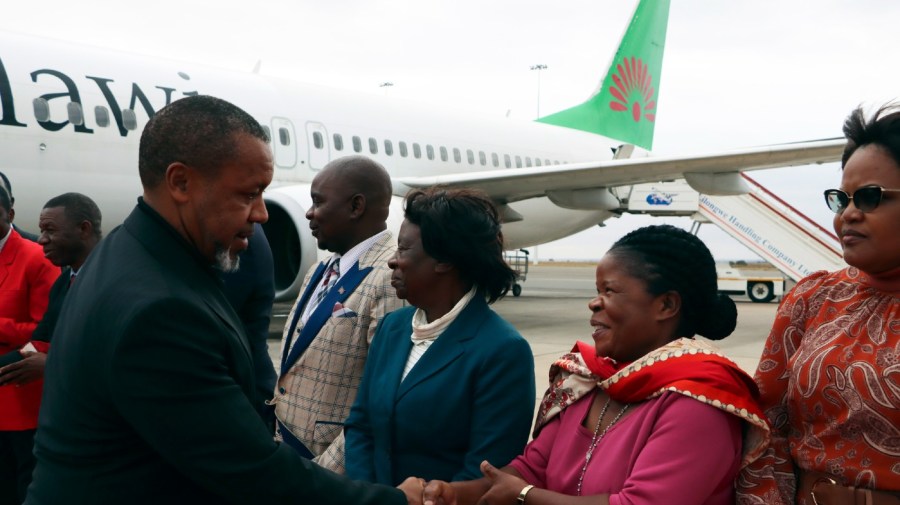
[{"x": 735, "y": 74}]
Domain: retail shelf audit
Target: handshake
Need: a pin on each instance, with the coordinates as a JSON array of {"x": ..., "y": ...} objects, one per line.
[{"x": 497, "y": 487}]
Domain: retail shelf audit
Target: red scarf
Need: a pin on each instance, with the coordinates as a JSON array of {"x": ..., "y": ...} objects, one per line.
[{"x": 686, "y": 366}]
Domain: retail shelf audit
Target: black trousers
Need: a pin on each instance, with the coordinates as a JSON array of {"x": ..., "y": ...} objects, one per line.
[{"x": 16, "y": 464}]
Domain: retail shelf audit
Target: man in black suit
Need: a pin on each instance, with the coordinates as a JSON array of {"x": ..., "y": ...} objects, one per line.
[
  {"x": 148, "y": 393},
  {"x": 70, "y": 229}
]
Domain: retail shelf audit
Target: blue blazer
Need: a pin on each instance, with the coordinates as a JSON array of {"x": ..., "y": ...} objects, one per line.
[{"x": 469, "y": 398}]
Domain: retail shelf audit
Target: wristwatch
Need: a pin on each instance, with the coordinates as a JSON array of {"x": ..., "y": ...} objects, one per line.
[{"x": 521, "y": 498}]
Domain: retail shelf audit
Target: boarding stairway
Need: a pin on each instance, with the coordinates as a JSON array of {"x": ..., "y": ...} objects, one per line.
[
  {"x": 766, "y": 224},
  {"x": 773, "y": 229}
]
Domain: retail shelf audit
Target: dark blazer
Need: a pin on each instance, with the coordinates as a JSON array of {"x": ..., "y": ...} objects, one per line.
[
  {"x": 251, "y": 291},
  {"x": 469, "y": 398},
  {"x": 58, "y": 293},
  {"x": 147, "y": 397}
]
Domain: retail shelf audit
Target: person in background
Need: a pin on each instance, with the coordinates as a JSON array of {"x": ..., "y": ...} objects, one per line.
[
  {"x": 647, "y": 414},
  {"x": 149, "y": 391},
  {"x": 448, "y": 382},
  {"x": 330, "y": 328},
  {"x": 829, "y": 370},
  {"x": 70, "y": 229},
  {"x": 251, "y": 291},
  {"x": 12, "y": 212},
  {"x": 25, "y": 280}
]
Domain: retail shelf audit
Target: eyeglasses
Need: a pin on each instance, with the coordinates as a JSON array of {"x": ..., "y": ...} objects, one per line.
[{"x": 866, "y": 199}]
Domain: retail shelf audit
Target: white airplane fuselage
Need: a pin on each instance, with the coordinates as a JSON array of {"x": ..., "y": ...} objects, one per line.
[{"x": 46, "y": 155}]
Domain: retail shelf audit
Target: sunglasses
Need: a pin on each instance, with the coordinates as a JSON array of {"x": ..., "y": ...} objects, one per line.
[{"x": 866, "y": 199}]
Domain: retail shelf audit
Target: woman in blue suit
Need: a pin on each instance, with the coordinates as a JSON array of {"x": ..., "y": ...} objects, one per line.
[{"x": 448, "y": 383}]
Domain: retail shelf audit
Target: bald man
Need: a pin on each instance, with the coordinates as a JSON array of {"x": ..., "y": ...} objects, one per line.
[{"x": 327, "y": 336}]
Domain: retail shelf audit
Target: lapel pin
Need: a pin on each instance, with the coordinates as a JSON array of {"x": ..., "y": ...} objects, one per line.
[{"x": 341, "y": 290}]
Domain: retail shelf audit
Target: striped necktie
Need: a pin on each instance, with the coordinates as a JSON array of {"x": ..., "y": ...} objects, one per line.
[{"x": 331, "y": 277}]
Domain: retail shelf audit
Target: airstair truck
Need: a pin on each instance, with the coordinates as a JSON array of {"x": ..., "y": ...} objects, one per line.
[{"x": 758, "y": 281}]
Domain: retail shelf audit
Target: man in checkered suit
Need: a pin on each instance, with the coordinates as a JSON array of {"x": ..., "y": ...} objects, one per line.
[{"x": 328, "y": 332}]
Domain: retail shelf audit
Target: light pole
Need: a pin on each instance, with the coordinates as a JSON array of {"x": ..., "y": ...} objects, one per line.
[{"x": 539, "y": 67}]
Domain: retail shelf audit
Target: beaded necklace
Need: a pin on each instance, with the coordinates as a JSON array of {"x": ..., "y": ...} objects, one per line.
[{"x": 595, "y": 439}]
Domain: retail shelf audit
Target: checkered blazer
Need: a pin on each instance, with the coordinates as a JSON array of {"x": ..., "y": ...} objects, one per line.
[{"x": 313, "y": 398}]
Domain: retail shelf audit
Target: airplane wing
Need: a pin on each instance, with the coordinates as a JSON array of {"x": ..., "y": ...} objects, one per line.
[{"x": 511, "y": 185}]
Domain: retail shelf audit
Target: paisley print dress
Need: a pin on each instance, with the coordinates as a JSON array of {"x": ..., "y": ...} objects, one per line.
[{"x": 829, "y": 379}]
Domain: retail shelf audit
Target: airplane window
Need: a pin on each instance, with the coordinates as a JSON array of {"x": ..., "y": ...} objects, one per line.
[
  {"x": 106, "y": 116},
  {"x": 373, "y": 146},
  {"x": 495, "y": 160},
  {"x": 556, "y": 162},
  {"x": 457, "y": 157},
  {"x": 417, "y": 151},
  {"x": 429, "y": 151},
  {"x": 76, "y": 117},
  {"x": 470, "y": 156},
  {"x": 129, "y": 119},
  {"x": 518, "y": 161},
  {"x": 338, "y": 142},
  {"x": 284, "y": 136},
  {"x": 357, "y": 144},
  {"x": 537, "y": 162},
  {"x": 41, "y": 109},
  {"x": 546, "y": 162},
  {"x": 403, "y": 151},
  {"x": 101, "y": 116},
  {"x": 528, "y": 161},
  {"x": 388, "y": 148},
  {"x": 317, "y": 140},
  {"x": 482, "y": 158},
  {"x": 507, "y": 161},
  {"x": 443, "y": 153}
]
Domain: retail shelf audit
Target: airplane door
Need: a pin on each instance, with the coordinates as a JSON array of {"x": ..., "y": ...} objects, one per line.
[
  {"x": 317, "y": 141},
  {"x": 284, "y": 143}
]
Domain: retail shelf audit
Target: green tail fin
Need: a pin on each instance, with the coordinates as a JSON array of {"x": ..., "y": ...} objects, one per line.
[{"x": 624, "y": 108}]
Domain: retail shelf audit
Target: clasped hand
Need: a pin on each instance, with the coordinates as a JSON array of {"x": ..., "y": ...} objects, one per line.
[
  {"x": 29, "y": 369},
  {"x": 502, "y": 489}
]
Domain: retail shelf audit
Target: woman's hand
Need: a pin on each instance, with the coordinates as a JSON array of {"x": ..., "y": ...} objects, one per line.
[
  {"x": 438, "y": 492},
  {"x": 505, "y": 487}
]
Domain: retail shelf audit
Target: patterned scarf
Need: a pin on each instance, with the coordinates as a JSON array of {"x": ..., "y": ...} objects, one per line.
[{"x": 689, "y": 367}]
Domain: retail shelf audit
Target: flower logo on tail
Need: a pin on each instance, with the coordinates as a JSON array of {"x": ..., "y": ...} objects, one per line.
[{"x": 633, "y": 90}]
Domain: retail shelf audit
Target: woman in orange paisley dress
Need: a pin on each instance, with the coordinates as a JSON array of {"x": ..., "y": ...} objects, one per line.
[{"x": 830, "y": 372}]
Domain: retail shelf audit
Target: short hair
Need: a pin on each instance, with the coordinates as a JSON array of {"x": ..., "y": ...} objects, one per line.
[
  {"x": 882, "y": 129},
  {"x": 667, "y": 258},
  {"x": 198, "y": 131},
  {"x": 5, "y": 199},
  {"x": 6, "y": 184},
  {"x": 462, "y": 227},
  {"x": 78, "y": 208}
]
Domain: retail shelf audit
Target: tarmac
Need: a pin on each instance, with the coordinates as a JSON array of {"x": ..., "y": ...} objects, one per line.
[{"x": 552, "y": 314}]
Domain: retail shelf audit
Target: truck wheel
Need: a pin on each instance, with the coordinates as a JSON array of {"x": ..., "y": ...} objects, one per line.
[
  {"x": 761, "y": 292},
  {"x": 517, "y": 289}
]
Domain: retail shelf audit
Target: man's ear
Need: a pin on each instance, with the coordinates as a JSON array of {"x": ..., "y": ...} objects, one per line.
[
  {"x": 85, "y": 230},
  {"x": 357, "y": 205},
  {"x": 11, "y": 214},
  {"x": 178, "y": 180},
  {"x": 669, "y": 305}
]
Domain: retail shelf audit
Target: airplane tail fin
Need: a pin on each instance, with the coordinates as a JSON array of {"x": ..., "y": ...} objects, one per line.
[{"x": 624, "y": 106}]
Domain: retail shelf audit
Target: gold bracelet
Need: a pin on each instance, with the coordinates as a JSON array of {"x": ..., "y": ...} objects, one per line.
[{"x": 521, "y": 498}]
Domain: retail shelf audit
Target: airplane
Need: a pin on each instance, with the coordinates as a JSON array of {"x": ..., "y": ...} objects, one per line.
[{"x": 71, "y": 116}]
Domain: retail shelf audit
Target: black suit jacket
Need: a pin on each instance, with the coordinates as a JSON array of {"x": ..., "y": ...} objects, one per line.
[
  {"x": 147, "y": 392},
  {"x": 251, "y": 292}
]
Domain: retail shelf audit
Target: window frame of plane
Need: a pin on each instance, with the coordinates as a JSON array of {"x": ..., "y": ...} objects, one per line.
[
  {"x": 507, "y": 161},
  {"x": 388, "y": 147},
  {"x": 417, "y": 151},
  {"x": 443, "y": 152},
  {"x": 429, "y": 152},
  {"x": 404, "y": 152},
  {"x": 457, "y": 155},
  {"x": 338, "y": 142},
  {"x": 357, "y": 143},
  {"x": 482, "y": 158},
  {"x": 318, "y": 141},
  {"x": 470, "y": 156},
  {"x": 518, "y": 161},
  {"x": 373, "y": 145},
  {"x": 495, "y": 160}
]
